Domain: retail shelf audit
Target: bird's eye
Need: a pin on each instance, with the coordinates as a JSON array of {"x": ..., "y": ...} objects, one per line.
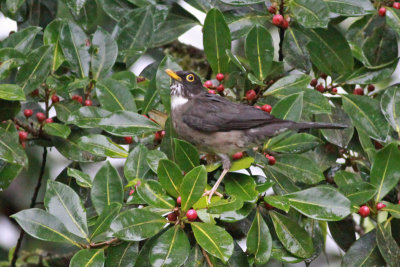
[{"x": 190, "y": 78}]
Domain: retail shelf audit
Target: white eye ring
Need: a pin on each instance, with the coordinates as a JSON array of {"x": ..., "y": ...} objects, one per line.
[{"x": 190, "y": 78}]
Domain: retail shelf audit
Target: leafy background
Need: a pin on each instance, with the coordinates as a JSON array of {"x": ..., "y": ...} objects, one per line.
[{"x": 368, "y": 70}]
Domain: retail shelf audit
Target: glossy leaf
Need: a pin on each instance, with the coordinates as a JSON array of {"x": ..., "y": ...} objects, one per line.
[
  {"x": 137, "y": 224},
  {"x": 390, "y": 106},
  {"x": 170, "y": 176},
  {"x": 394, "y": 209},
  {"x": 153, "y": 194},
  {"x": 89, "y": 258},
  {"x": 82, "y": 178},
  {"x": 136, "y": 166},
  {"x": 104, "y": 54},
  {"x": 213, "y": 239},
  {"x": 195, "y": 258},
  {"x": 7, "y": 173},
  {"x": 365, "y": 114},
  {"x": 171, "y": 249},
  {"x": 224, "y": 205},
  {"x": 62, "y": 201},
  {"x": 107, "y": 188},
  {"x": 153, "y": 157},
  {"x": 101, "y": 145},
  {"x": 57, "y": 129},
  {"x": 22, "y": 40},
  {"x": 295, "y": 51},
  {"x": 14, "y": 5},
  {"x": 393, "y": 19},
  {"x": 237, "y": 215},
  {"x": 123, "y": 255},
  {"x": 186, "y": 155},
  {"x": 11, "y": 92},
  {"x": 51, "y": 36},
  {"x": 103, "y": 222},
  {"x": 241, "y": 186},
  {"x": 10, "y": 150},
  {"x": 359, "y": 192},
  {"x": 310, "y": 13},
  {"x": 283, "y": 184},
  {"x": 315, "y": 102},
  {"x": 11, "y": 59},
  {"x": 297, "y": 143},
  {"x": 294, "y": 81},
  {"x": 259, "y": 50},
  {"x": 279, "y": 202},
  {"x": 350, "y": 7},
  {"x": 241, "y": 2},
  {"x": 65, "y": 108},
  {"x": 259, "y": 241},
  {"x": 387, "y": 245},
  {"x": 344, "y": 178},
  {"x": 321, "y": 203},
  {"x": 114, "y": 96},
  {"x": 192, "y": 187},
  {"x": 369, "y": 76},
  {"x": 385, "y": 171},
  {"x": 289, "y": 108},
  {"x": 216, "y": 39}
]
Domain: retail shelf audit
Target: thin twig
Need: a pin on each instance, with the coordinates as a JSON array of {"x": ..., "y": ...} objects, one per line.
[
  {"x": 281, "y": 31},
  {"x": 108, "y": 242},
  {"x": 33, "y": 203},
  {"x": 207, "y": 258}
]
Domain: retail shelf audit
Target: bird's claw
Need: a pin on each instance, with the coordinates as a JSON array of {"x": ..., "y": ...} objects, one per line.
[{"x": 210, "y": 193}]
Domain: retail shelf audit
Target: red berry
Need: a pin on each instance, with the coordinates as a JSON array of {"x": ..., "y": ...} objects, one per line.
[
  {"x": 285, "y": 24},
  {"x": 251, "y": 95},
  {"x": 220, "y": 88},
  {"x": 358, "y": 91},
  {"x": 382, "y": 11},
  {"x": 396, "y": 5},
  {"x": 191, "y": 214},
  {"x": 128, "y": 139},
  {"x": 137, "y": 184},
  {"x": 272, "y": 9},
  {"x": 22, "y": 136},
  {"x": 212, "y": 92},
  {"x": 28, "y": 112},
  {"x": 399, "y": 201},
  {"x": 179, "y": 200},
  {"x": 271, "y": 160},
  {"x": 378, "y": 145},
  {"x": 238, "y": 155},
  {"x": 371, "y": 87},
  {"x": 314, "y": 82},
  {"x": 257, "y": 107},
  {"x": 40, "y": 116},
  {"x": 277, "y": 19},
  {"x": 77, "y": 98},
  {"x": 320, "y": 88},
  {"x": 220, "y": 76},
  {"x": 144, "y": 115},
  {"x": 87, "y": 42},
  {"x": 49, "y": 120},
  {"x": 55, "y": 99},
  {"x": 380, "y": 206},
  {"x": 162, "y": 133},
  {"x": 266, "y": 108},
  {"x": 208, "y": 84},
  {"x": 334, "y": 90},
  {"x": 158, "y": 136},
  {"x": 268, "y": 206},
  {"x": 172, "y": 217},
  {"x": 323, "y": 76},
  {"x": 23, "y": 144},
  {"x": 35, "y": 92},
  {"x": 364, "y": 211},
  {"x": 88, "y": 103},
  {"x": 131, "y": 192}
]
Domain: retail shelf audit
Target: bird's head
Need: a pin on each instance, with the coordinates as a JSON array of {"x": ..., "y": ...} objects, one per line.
[{"x": 185, "y": 83}]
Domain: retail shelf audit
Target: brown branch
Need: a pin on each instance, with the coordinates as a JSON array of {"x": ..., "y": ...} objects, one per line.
[
  {"x": 108, "y": 242},
  {"x": 207, "y": 258},
  {"x": 281, "y": 31}
]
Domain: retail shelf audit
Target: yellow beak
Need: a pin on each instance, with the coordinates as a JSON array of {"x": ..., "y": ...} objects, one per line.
[{"x": 173, "y": 75}]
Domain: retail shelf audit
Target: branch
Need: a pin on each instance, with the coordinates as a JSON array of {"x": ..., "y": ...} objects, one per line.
[
  {"x": 207, "y": 258},
  {"x": 281, "y": 31},
  {"x": 108, "y": 242},
  {"x": 33, "y": 202}
]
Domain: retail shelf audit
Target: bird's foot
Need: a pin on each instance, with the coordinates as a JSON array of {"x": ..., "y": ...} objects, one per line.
[{"x": 210, "y": 193}]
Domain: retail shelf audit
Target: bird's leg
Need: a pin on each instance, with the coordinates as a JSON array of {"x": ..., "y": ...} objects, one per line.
[{"x": 226, "y": 165}]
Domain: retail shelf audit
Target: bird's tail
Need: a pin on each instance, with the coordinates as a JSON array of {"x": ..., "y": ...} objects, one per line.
[{"x": 318, "y": 125}]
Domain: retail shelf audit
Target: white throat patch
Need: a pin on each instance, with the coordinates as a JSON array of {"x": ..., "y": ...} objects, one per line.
[{"x": 177, "y": 101}]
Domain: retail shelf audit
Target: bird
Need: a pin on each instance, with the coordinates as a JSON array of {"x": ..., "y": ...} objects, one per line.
[{"x": 216, "y": 125}]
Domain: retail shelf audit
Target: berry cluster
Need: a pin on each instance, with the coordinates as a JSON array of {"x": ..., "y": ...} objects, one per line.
[
  {"x": 219, "y": 88},
  {"x": 280, "y": 21},
  {"x": 271, "y": 159}
]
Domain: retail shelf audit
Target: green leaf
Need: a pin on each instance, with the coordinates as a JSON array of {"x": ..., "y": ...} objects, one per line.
[
  {"x": 390, "y": 106},
  {"x": 170, "y": 176},
  {"x": 393, "y": 19},
  {"x": 107, "y": 188},
  {"x": 369, "y": 76},
  {"x": 113, "y": 95},
  {"x": 295, "y": 81},
  {"x": 385, "y": 171},
  {"x": 104, "y": 54},
  {"x": 289, "y": 108},
  {"x": 294, "y": 238},
  {"x": 51, "y": 36},
  {"x": 22, "y": 40},
  {"x": 366, "y": 144},
  {"x": 88, "y": 258},
  {"x": 299, "y": 168},
  {"x": 387, "y": 245},
  {"x": 153, "y": 194},
  {"x": 7, "y": 173},
  {"x": 195, "y": 258},
  {"x": 281, "y": 254},
  {"x": 101, "y": 145},
  {"x": 103, "y": 222},
  {"x": 213, "y": 239},
  {"x": 216, "y": 39},
  {"x": 321, "y": 203},
  {"x": 279, "y": 202},
  {"x": 14, "y": 5},
  {"x": 186, "y": 155},
  {"x": 153, "y": 157},
  {"x": 44, "y": 226},
  {"x": 364, "y": 252},
  {"x": 73, "y": 43},
  {"x": 237, "y": 215},
  {"x": 57, "y": 129},
  {"x": 297, "y": 143},
  {"x": 365, "y": 114},
  {"x": 62, "y": 201},
  {"x": 65, "y": 108},
  {"x": 259, "y": 50},
  {"x": 283, "y": 184},
  {"x": 82, "y": 178},
  {"x": 224, "y": 205},
  {"x": 310, "y": 13},
  {"x": 394, "y": 209},
  {"x": 359, "y": 192},
  {"x": 36, "y": 68},
  {"x": 259, "y": 241},
  {"x": 11, "y": 92},
  {"x": 241, "y": 164},
  {"x": 123, "y": 255},
  {"x": 241, "y": 2},
  {"x": 151, "y": 98},
  {"x": 137, "y": 224},
  {"x": 235, "y": 60},
  {"x": 315, "y": 102},
  {"x": 339, "y": 137},
  {"x": 295, "y": 51},
  {"x": 171, "y": 249},
  {"x": 11, "y": 151},
  {"x": 350, "y": 7},
  {"x": 344, "y": 178},
  {"x": 136, "y": 166},
  {"x": 192, "y": 187},
  {"x": 11, "y": 59},
  {"x": 241, "y": 186}
]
